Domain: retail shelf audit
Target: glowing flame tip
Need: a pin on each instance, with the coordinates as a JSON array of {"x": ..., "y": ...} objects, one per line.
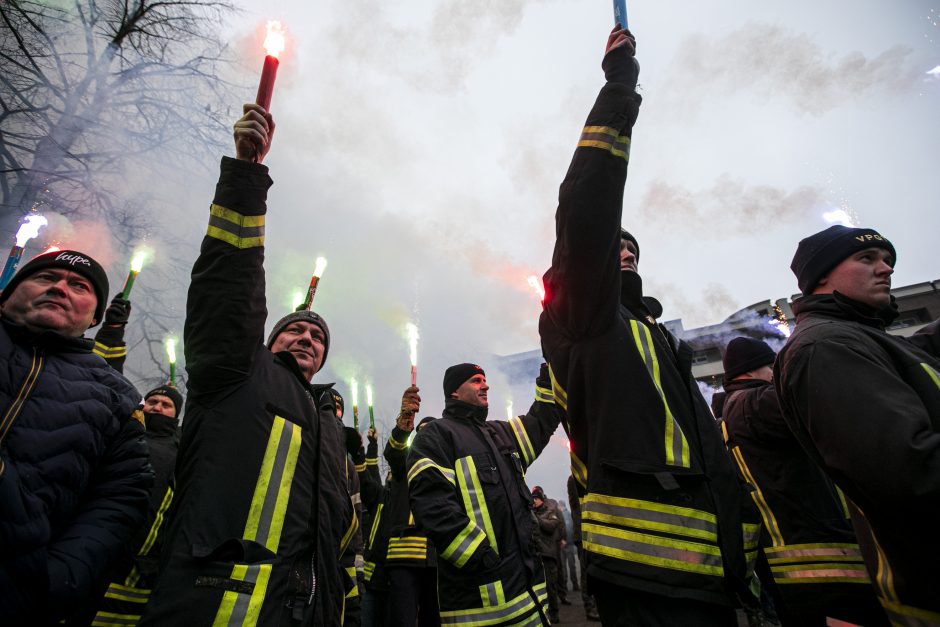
[
  {"x": 137, "y": 261},
  {"x": 171, "y": 349},
  {"x": 319, "y": 267},
  {"x": 354, "y": 386},
  {"x": 30, "y": 229},
  {"x": 839, "y": 216},
  {"x": 536, "y": 285},
  {"x": 369, "y": 394},
  {"x": 274, "y": 40},
  {"x": 412, "y": 331}
]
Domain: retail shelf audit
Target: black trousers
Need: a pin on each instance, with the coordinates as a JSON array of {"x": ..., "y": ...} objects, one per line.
[
  {"x": 412, "y": 597},
  {"x": 625, "y": 607}
]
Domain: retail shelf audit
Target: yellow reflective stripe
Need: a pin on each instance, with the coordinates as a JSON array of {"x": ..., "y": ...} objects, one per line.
[
  {"x": 395, "y": 444},
  {"x": 832, "y": 551},
  {"x": 510, "y": 612},
  {"x": 272, "y": 490},
  {"x": 464, "y": 545},
  {"x": 474, "y": 501},
  {"x": 372, "y": 461},
  {"x": 407, "y": 548},
  {"x": 639, "y": 514},
  {"x": 157, "y": 522},
  {"x": 522, "y": 439},
  {"x": 751, "y": 535},
  {"x": 845, "y": 505},
  {"x": 361, "y": 467},
  {"x": 579, "y": 470},
  {"x": 492, "y": 594},
  {"x": 350, "y": 532},
  {"x": 606, "y": 138},
  {"x": 351, "y": 573},
  {"x": 239, "y": 608},
  {"x": 770, "y": 521},
  {"x": 375, "y": 524},
  {"x": 109, "y": 352},
  {"x": 233, "y": 228},
  {"x": 127, "y": 593},
  {"x": 820, "y": 573},
  {"x": 561, "y": 397},
  {"x": 652, "y": 550},
  {"x": 424, "y": 464},
  {"x": 544, "y": 395},
  {"x": 110, "y": 619},
  {"x": 900, "y": 614},
  {"x": 676, "y": 446},
  {"x": 368, "y": 568},
  {"x": 933, "y": 374}
]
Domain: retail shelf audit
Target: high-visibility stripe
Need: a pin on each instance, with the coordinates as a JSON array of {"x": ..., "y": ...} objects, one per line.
[
  {"x": 464, "y": 545},
  {"x": 126, "y": 593},
  {"x": 561, "y": 397},
  {"x": 110, "y": 619},
  {"x": 933, "y": 374},
  {"x": 109, "y": 352},
  {"x": 820, "y": 573},
  {"x": 157, "y": 522},
  {"x": 578, "y": 470},
  {"x": 884, "y": 576},
  {"x": 900, "y": 614},
  {"x": 515, "y": 611},
  {"x": 843, "y": 502},
  {"x": 830, "y": 551},
  {"x": 233, "y": 228},
  {"x": 544, "y": 395},
  {"x": 492, "y": 594},
  {"x": 474, "y": 501},
  {"x": 650, "y": 516},
  {"x": 652, "y": 550},
  {"x": 522, "y": 439},
  {"x": 751, "y": 534},
  {"x": 372, "y": 461},
  {"x": 361, "y": 467},
  {"x": 395, "y": 444},
  {"x": 351, "y": 573},
  {"x": 368, "y": 568},
  {"x": 350, "y": 532},
  {"x": 239, "y": 608},
  {"x": 606, "y": 138},
  {"x": 375, "y": 523},
  {"x": 770, "y": 521},
  {"x": 676, "y": 446},
  {"x": 26, "y": 388},
  {"x": 272, "y": 490},
  {"x": 424, "y": 464},
  {"x": 407, "y": 548}
]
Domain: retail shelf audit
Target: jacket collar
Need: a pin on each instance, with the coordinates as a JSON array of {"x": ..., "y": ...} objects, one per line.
[
  {"x": 465, "y": 411},
  {"x": 158, "y": 424},
  {"x": 49, "y": 340},
  {"x": 744, "y": 384},
  {"x": 838, "y": 306},
  {"x": 631, "y": 296}
]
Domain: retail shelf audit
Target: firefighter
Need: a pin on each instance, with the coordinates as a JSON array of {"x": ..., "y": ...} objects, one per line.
[
  {"x": 663, "y": 511},
  {"x": 262, "y": 516},
  {"x": 468, "y": 493},
  {"x": 355, "y": 463},
  {"x": 865, "y": 406},
  {"x": 809, "y": 561}
]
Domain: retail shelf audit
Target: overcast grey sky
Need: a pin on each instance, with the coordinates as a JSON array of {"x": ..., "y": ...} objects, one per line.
[{"x": 420, "y": 146}]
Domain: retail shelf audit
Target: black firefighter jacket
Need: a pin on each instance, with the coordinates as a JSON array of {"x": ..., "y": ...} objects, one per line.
[
  {"x": 865, "y": 405},
  {"x": 810, "y": 554},
  {"x": 468, "y": 493},
  {"x": 663, "y": 510},
  {"x": 262, "y": 515}
]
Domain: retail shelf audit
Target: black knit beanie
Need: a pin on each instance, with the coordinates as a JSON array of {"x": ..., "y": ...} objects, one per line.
[
  {"x": 304, "y": 316},
  {"x": 171, "y": 393},
  {"x": 338, "y": 403},
  {"x": 625, "y": 234},
  {"x": 817, "y": 254},
  {"x": 455, "y": 376},
  {"x": 424, "y": 421},
  {"x": 745, "y": 354},
  {"x": 68, "y": 260}
]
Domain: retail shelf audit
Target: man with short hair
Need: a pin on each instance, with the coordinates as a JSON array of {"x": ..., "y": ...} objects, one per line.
[
  {"x": 809, "y": 560},
  {"x": 468, "y": 494},
  {"x": 262, "y": 516},
  {"x": 865, "y": 406},
  {"x": 74, "y": 475}
]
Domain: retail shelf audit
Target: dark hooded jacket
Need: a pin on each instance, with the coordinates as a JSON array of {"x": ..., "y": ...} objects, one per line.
[
  {"x": 865, "y": 406},
  {"x": 262, "y": 516},
  {"x": 74, "y": 475}
]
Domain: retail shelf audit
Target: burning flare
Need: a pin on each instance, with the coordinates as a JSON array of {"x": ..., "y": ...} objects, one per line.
[
  {"x": 274, "y": 40},
  {"x": 839, "y": 216},
  {"x": 369, "y": 394},
  {"x": 354, "y": 386},
  {"x": 319, "y": 267},
  {"x": 137, "y": 261},
  {"x": 536, "y": 284},
  {"x": 509, "y": 414},
  {"x": 411, "y": 330},
  {"x": 296, "y": 300},
  {"x": 171, "y": 350},
  {"x": 30, "y": 229}
]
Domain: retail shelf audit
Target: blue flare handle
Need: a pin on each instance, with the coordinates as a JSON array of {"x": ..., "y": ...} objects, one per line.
[{"x": 620, "y": 13}]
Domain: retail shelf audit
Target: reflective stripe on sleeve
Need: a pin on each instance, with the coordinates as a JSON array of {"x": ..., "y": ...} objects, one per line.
[
  {"x": 464, "y": 545},
  {"x": 425, "y": 464},
  {"x": 233, "y": 228},
  {"x": 109, "y": 352},
  {"x": 407, "y": 548},
  {"x": 522, "y": 439},
  {"x": 272, "y": 490},
  {"x": 561, "y": 397},
  {"x": 375, "y": 524},
  {"x": 544, "y": 395},
  {"x": 350, "y": 532},
  {"x": 395, "y": 444},
  {"x": 606, "y": 138},
  {"x": 578, "y": 470},
  {"x": 770, "y": 521}
]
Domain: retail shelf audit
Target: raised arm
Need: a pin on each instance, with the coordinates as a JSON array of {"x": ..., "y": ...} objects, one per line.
[
  {"x": 396, "y": 450},
  {"x": 225, "y": 310},
  {"x": 582, "y": 287},
  {"x": 109, "y": 341},
  {"x": 533, "y": 430}
]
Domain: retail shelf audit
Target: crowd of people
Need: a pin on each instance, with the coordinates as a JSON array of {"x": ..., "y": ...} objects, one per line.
[{"x": 809, "y": 491}]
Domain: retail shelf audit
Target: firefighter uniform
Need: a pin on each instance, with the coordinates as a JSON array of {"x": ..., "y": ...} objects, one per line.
[
  {"x": 468, "y": 493},
  {"x": 663, "y": 512},
  {"x": 810, "y": 560},
  {"x": 262, "y": 515}
]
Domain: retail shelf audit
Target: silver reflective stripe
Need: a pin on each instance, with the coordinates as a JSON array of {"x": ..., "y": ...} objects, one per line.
[
  {"x": 803, "y": 552},
  {"x": 630, "y": 516},
  {"x": 653, "y": 550},
  {"x": 240, "y": 608},
  {"x": 518, "y": 608}
]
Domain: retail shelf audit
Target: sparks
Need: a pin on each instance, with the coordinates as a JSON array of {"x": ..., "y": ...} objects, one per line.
[
  {"x": 536, "y": 284},
  {"x": 274, "y": 40},
  {"x": 319, "y": 267},
  {"x": 30, "y": 229},
  {"x": 171, "y": 349},
  {"x": 838, "y": 216},
  {"x": 783, "y": 328},
  {"x": 369, "y": 394},
  {"x": 411, "y": 330}
]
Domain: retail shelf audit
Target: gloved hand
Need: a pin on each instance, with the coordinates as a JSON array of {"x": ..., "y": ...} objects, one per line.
[
  {"x": 544, "y": 380},
  {"x": 410, "y": 404},
  {"x": 620, "y": 64},
  {"x": 353, "y": 440},
  {"x": 118, "y": 312},
  {"x": 373, "y": 435}
]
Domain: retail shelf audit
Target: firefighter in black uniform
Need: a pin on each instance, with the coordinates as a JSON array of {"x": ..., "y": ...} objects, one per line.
[
  {"x": 262, "y": 516},
  {"x": 468, "y": 493},
  {"x": 810, "y": 562},
  {"x": 662, "y": 507},
  {"x": 355, "y": 460}
]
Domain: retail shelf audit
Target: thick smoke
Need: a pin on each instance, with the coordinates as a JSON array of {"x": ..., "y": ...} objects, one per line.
[{"x": 773, "y": 62}]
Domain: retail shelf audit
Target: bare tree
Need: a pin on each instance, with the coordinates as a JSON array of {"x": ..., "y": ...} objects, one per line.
[{"x": 88, "y": 87}]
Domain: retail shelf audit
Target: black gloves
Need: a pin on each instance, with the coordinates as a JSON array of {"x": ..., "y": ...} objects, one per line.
[
  {"x": 118, "y": 312},
  {"x": 353, "y": 440},
  {"x": 544, "y": 380}
]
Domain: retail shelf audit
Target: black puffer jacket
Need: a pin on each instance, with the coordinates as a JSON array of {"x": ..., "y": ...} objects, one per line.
[
  {"x": 74, "y": 475},
  {"x": 865, "y": 405}
]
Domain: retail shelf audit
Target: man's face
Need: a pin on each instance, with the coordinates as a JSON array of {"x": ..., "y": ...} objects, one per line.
[
  {"x": 628, "y": 260},
  {"x": 473, "y": 391},
  {"x": 160, "y": 404},
  {"x": 537, "y": 501},
  {"x": 53, "y": 299},
  {"x": 304, "y": 340},
  {"x": 864, "y": 276}
]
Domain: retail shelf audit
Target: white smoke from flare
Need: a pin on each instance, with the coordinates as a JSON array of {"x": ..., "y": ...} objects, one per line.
[{"x": 839, "y": 216}]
